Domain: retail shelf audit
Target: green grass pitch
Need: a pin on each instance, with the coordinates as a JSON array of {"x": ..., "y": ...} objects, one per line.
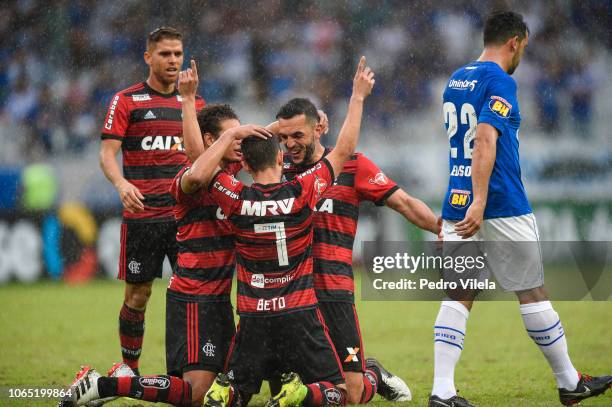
[{"x": 48, "y": 329}]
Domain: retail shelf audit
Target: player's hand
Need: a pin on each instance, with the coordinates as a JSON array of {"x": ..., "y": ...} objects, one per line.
[
  {"x": 247, "y": 130},
  {"x": 439, "y": 244},
  {"x": 131, "y": 198},
  {"x": 471, "y": 223},
  {"x": 364, "y": 80},
  {"x": 188, "y": 81},
  {"x": 323, "y": 121},
  {"x": 439, "y": 224}
]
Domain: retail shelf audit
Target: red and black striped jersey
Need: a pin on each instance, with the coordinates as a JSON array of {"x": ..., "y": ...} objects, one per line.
[
  {"x": 149, "y": 125},
  {"x": 335, "y": 222},
  {"x": 273, "y": 228},
  {"x": 206, "y": 249}
]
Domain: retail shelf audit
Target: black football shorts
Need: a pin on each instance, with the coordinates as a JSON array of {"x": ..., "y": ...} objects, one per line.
[
  {"x": 343, "y": 324},
  {"x": 198, "y": 335},
  {"x": 143, "y": 248},
  {"x": 266, "y": 347}
]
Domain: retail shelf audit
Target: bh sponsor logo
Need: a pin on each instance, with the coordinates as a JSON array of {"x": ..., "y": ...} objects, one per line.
[
  {"x": 500, "y": 106},
  {"x": 459, "y": 198}
]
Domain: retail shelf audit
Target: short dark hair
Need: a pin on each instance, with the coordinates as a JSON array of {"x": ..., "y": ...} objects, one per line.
[
  {"x": 163, "y": 33},
  {"x": 500, "y": 26},
  {"x": 296, "y": 107},
  {"x": 258, "y": 153},
  {"x": 210, "y": 118}
]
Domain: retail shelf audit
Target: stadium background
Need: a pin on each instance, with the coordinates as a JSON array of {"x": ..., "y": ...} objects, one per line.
[{"x": 61, "y": 61}]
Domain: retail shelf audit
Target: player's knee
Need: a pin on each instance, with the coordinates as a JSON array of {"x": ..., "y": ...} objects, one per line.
[
  {"x": 532, "y": 295},
  {"x": 137, "y": 295},
  {"x": 200, "y": 382},
  {"x": 354, "y": 387}
]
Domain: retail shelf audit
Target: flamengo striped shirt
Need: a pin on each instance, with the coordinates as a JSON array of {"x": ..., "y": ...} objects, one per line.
[
  {"x": 273, "y": 228},
  {"x": 335, "y": 222},
  {"x": 149, "y": 125},
  {"x": 206, "y": 249}
]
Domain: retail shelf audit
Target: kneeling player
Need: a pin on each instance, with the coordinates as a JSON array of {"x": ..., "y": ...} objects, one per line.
[
  {"x": 335, "y": 225},
  {"x": 199, "y": 315},
  {"x": 281, "y": 329}
]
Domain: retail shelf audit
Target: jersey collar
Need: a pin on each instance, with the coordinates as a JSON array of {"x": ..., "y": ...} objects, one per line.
[{"x": 163, "y": 95}]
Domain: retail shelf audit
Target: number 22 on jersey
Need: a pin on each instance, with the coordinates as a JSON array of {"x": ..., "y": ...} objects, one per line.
[{"x": 467, "y": 116}]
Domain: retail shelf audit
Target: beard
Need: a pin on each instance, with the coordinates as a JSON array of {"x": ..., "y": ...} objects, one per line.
[
  {"x": 308, "y": 154},
  {"x": 515, "y": 63},
  {"x": 162, "y": 78}
]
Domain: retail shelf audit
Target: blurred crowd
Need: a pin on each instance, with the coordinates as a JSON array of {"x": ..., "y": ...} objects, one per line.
[{"x": 62, "y": 60}]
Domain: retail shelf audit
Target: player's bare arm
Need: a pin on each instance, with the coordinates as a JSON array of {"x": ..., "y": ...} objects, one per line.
[
  {"x": 414, "y": 210},
  {"x": 188, "y": 87},
  {"x": 483, "y": 159},
  {"x": 363, "y": 83},
  {"x": 131, "y": 198},
  {"x": 208, "y": 163}
]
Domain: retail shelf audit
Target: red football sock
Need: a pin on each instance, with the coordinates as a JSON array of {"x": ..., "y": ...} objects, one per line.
[
  {"x": 370, "y": 385},
  {"x": 131, "y": 332},
  {"x": 166, "y": 389},
  {"x": 324, "y": 394}
]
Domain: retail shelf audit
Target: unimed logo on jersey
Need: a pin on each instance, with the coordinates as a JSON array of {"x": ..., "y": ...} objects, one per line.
[
  {"x": 462, "y": 85},
  {"x": 500, "y": 106},
  {"x": 459, "y": 198},
  {"x": 154, "y": 382}
]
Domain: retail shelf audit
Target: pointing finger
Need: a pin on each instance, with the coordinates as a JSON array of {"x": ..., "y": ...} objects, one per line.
[
  {"x": 361, "y": 65},
  {"x": 194, "y": 68}
]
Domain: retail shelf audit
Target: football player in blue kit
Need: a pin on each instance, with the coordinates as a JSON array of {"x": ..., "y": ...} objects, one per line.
[{"x": 486, "y": 202}]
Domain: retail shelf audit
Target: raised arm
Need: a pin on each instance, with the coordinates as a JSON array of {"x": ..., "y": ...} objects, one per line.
[
  {"x": 207, "y": 164},
  {"x": 192, "y": 136},
  {"x": 349, "y": 133}
]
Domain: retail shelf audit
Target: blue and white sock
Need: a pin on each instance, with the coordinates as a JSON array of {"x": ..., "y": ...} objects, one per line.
[
  {"x": 544, "y": 327},
  {"x": 449, "y": 331}
]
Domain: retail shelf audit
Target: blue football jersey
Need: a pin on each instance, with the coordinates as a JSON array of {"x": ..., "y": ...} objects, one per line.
[{"x": 481, "y": 92}]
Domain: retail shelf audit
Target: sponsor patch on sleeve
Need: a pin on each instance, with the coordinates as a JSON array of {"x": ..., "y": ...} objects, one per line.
[{"x": 500, "y": 106}]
